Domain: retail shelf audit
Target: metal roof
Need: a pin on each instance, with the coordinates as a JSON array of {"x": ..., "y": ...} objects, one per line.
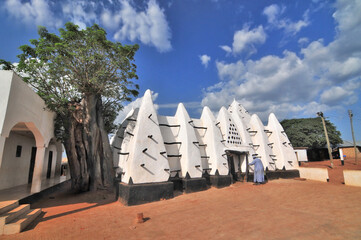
[{"x": 349, "y": 144}]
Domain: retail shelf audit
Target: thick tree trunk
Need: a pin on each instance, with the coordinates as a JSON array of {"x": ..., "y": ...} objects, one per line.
[
  {"x": 87, "y": 147},
  {"x": 75, "y": 149},
  {"x": 99, "y": 152}
]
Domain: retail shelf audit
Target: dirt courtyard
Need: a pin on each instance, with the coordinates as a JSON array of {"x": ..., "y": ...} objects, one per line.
[{"x": 280, "y": 209}]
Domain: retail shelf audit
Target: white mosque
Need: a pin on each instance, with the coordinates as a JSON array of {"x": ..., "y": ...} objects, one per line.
[{"x": 156, "y": 154}]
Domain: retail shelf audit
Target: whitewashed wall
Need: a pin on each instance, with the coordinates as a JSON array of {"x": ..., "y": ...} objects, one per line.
[
  {"x": 170, "y": 131},
  {"x": 14, "y": 170},
  {"x": 283, "y": 151},
  {"x": 146, "y": 160},
  {"x": 241, "y": 116},
  {"x": 191, "y": 156},
  {"x": 23, "y": 105},
  {"x": 261, "y": 144},
  {"x": 214, "y": 144},
  {"x": 19, "y": 104},
  {"x": 121, "y": 141}
]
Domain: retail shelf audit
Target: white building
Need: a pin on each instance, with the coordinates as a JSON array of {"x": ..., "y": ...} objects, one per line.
[
  {"x": 151, "y": 150},
  {"x": 28, "y": 150}
]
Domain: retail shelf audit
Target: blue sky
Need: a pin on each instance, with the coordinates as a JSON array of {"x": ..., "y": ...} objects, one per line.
[{"x": 293, "y": 58}]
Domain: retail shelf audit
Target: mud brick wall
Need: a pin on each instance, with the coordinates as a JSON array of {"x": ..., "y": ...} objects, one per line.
[{"x": 350, "y": 152}]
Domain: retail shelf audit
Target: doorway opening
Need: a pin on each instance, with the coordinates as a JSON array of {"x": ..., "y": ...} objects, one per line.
[
  {"x": 32, "y": 164},
  {"x": 50, "y": 161},
  {"x": 238, "y": 165}
]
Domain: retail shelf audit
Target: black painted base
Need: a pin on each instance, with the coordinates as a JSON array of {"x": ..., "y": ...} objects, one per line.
[
  {"x": 248, "y": 179},
  {"x": 221, "y": 181},
  {"x": 272, "y": 175},
  {"x": 194, "y": 185},
  {"x": 206, "y": 176},
  {"x": 135, "y": 194},
  {"x": 287, "y": 174},
  {"x": 177, "y": 184}
]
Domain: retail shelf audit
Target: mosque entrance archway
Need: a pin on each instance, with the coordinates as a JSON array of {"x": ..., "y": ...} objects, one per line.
[
  {"x": 238, "y": 164},
  {"x": 231, "y": 165}
]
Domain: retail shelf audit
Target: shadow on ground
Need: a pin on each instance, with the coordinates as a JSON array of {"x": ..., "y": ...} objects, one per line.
[{"x": 75, "y": 202}]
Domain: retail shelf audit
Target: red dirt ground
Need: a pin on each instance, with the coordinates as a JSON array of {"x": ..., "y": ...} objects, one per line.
[{"x": 280, "y": 209}]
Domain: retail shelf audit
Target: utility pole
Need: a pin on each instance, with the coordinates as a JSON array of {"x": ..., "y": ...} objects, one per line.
[
  {"x": 353, "y": 135},
  {"x": 320, "y": 114}
]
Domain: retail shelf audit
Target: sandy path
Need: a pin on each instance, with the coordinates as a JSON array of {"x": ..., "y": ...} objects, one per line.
[{"x": 280, "y": 209}]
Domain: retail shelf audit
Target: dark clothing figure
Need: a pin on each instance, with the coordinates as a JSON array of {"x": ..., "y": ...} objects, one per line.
[{"x": 258, "y": 170}]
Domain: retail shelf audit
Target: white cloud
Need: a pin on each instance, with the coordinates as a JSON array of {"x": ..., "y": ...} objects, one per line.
[
  {"x": 334, "y": 95},
  {"x": 245, "y": 39},
  {"x": 294, "y": 27},
  {"x": 321, "y": 78},
  {"x": 109, "y": 20},
  {"x": 149, "y": 26},
  {"x": 348, "y": 15},
  {"x": 345, "y": 94},
  {"x": 205, "y": 59},
  {"x": 263, "y": 83},
  {"x": 81, "y": 13},
  {"x": 230, "y": 70},
  {"x": 273, "y": 14},
  {"x": 226, "y": 48},
  {"x": 42, "y": 12},
  {"x": 34, "y": 12},
  {"x": 303, "y": 41},
  {"x": 346, "y": 69}
]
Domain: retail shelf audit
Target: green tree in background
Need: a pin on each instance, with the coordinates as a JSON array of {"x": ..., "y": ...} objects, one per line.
[
  {"x": 84, "y": 78},
  {"x": 308, "y": 132},
  {"x": 5, "y": 65}
]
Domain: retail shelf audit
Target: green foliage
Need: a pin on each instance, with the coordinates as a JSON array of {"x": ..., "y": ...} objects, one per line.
[
  {"x": 63, "y": 69},
  {"x": 308, "y": 132},
  {"x": 5, "y": 65}
]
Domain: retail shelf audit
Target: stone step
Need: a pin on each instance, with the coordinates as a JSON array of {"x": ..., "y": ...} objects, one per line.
[
  {"x": 6, "y": 206},
  {"x": 18, "y": 224},
  {"x": 12, "y": 214}
]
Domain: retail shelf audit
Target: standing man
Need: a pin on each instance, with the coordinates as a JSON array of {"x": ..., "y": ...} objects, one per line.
[{"x": 258, "y": 177}]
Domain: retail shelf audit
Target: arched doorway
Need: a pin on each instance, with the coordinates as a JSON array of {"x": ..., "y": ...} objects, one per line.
[
  {"x": 18, "y": 157},
  {"x": 52, "y": 160}
]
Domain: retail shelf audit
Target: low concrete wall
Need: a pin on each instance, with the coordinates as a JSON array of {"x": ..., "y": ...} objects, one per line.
[
  {"x": 352, "y": 177},
  {"x": 318, "y": 174}
]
